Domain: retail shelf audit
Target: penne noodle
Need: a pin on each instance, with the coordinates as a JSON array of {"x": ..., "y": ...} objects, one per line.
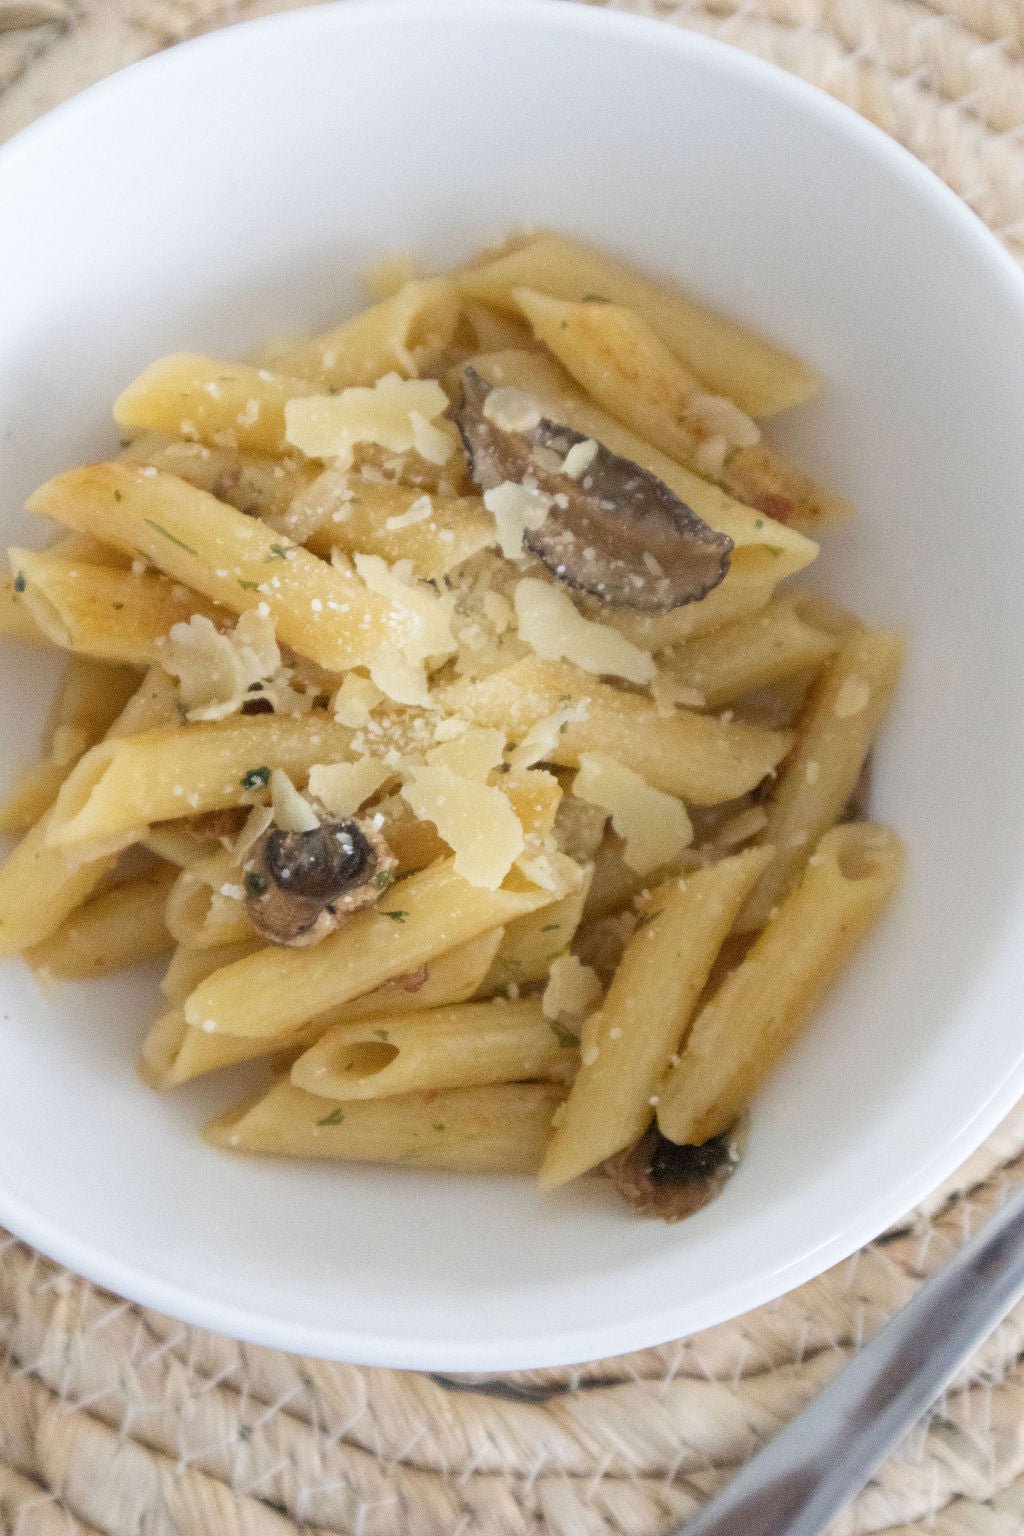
[
  {"x": 224, "y": 405},
  {"x": 58, "y": 881},
  {"x": 695, "y": 756},
  {"x": 171, "y": 772},
  {"x": 840, "y": 721},
  {"x": 419, "y": 918},
  {"x": 154, "y": 703},
  {"x": 624, "y": 366},
  {"x": 562, "y": 402},
  {"x": 326, "y": 615},
  {"x": 627, "y": 1045},
  {"x": 532, "y": 942},
  {"x": 450, "y": 531},
  {"x": 100, "y": 611},
  {"x": 751, "y": 581},
  {"x": 728, "y": 359},
  {"x": 460, "y": 1047},
  {"x": 400, "y": 335},
  {"x": 258, "y": 486},
  {"x": 497, "y": 1129},
  {"x": 761, "y": 1006},
  {"x": 765, "y": 648},
  {"x": 119, "y": 928},
  {"x": 205, "y": 905},
  {"x": 615, "y": 883},
  {"x": 174, "y": 1052},
  {"x": 16, "y": 621}
]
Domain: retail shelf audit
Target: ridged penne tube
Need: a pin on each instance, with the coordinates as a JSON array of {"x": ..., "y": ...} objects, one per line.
[
  {"x": 257, "y": 485},
  {"x": 840, "y": 721},
  {"x": 451, "y": 531},
  {"x": 119, "y": 928},
  {"x": 561, "y": 401},
  {"x": 227, "y": 405},
  {"x": 628, "y": 1044},
  {"x": 327, "y": 615},
  {"x": 58, "y": 881},
  {"x": 15, "y": 619},
  {"x": 615, "y": 884},
  {"x": 624, "y": 366},
  {"x": 90, "y": 696},
  {"x": 173, "y": 771},
  {"x": 729, "y": 360},
  {"x": 750, "y": 583},
  {"x": 100, "y": 611},
  {"x": 760, "y": 1007},
  {"x": 695, "y": 756},
  {"x": 750, "y": 653},
  {"x": 502, "y": 1128},
  {"x": 532, "y": 942},
  {"x": 395, "y": 336},
  {"x": 174, "y": 1052},
  {"x": 417, "y": 919},
  {"x": 206, "y": 906},
  {"x": 460, "y": 1047},
  {"x": 154, "y": 703}
]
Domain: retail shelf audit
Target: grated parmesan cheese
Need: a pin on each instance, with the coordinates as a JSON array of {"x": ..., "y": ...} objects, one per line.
[
  {"x": 341, "y": 788},
  {"x": 515, "y": 509},
  {"x": 292, "y": 813},
  {"x": 418, "y": 512},
  {"x": 541, "y": 739},
  {"x": 354, "y": 701},
  {"x": 472, "y": 755},
  {"x": 215, "y": 671},
  {"x": 421, "y": 629},
  {"x": 396, "y": 414},
  {"x": 573, "y": 989},
  {"x": 550, "y": 623},
  {"x": 653, "y": 825},
  {"x": 512, "y": 410},
  {"x": 853, "y": 696},
  {"x": 579, "y": 458},
  {"x": 475, "y": 820}
]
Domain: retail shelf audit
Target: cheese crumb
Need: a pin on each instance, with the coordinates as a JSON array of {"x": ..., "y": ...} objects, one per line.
[
  {"x": 215, "y": 671},
  {"x": 475, "y": 820},
  {"x": 472, "y": 755},
  {"x": 653, "y": 825},
  {"x": 512, "y": 410},
  {"x": 354, "y": 701},
  {"x": 551, "y": 624},
  {"x": 573, "y": 989},
  {"x": 421, "y": 629},
  {"x": 579, "y": 458},
  {"x": 418, "y": 512},
  {"x": 515, "y": 509},
  {"x": 853, "y": 696},
  {"x": 341, "y": 788},
  {"x": 292, "y": 813},
  {"x": 393, "y": 414}
]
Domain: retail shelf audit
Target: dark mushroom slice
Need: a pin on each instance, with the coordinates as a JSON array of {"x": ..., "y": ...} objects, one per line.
[
  {"x": 657, "y": 1177},
  {"x": 615, "y": 531},
  {"x": 301, "y": 886}
]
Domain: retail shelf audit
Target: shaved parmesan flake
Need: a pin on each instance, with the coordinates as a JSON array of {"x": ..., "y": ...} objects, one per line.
[
  {"x": 329, "y": 426},
  {"x": 214, "y": 671},
  {"x": 451, "y": 727},
  {"x": 654, "y": 826},
  {"x": 516, "y": 508},
  {"x": 341, "y": 788},
  {"x": 403, "y": 681},
  {"x": 551, "y": 624},
  {"x": 541, "y": 738},
  {"x": 572, "y": 990},
  {"x": 512, "y": 410},
  {"x": 354, "y": 701},
  {"x": 472, "y": 755},
  {"x": 475, "y": 820},
  {"x": 292, "y": 813},
  {"x": 418, "y": 512},
  {"x": 430, "y": 442},
  {"x": 421, "y": 629},
  {"x": 497, "y": 611},
  {"x": 256, "y": 823},
  {"x": 579, "y": 458}
]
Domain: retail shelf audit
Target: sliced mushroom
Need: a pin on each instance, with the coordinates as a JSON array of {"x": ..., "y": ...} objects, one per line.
[
  {"x": 301, "y": 886},
  {"x": 613, "y": 529},
  {"x": 657, "y": 1177}
]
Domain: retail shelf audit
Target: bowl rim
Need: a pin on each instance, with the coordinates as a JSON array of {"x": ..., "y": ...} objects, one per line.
[{"x": 147, "y": 1287}]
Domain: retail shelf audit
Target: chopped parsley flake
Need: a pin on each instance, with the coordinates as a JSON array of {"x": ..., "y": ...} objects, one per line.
[
  {"x": 255, "y": 884},
  {"x": 280, "y": 552},
  {"x": 118, "y": 496},
  {"x": 647, "y": 917},
  {"x": 397, "y": 917},
  {"x": 381, "y": 1034},
  {"x": 117, "y": 605},
  {"x": 126, "y": 442},
  {"x": 248, "y": 586},
  {"x": 19, "y": 582},
  {"x": 334, "y": 1118},
  {"x": 180, "y": 542},
  {"x": 438, "y": 1128},
  {"x": 382, "y": 879},
  {"x": 551, "y": 927},
  {"x": 566, "y": 1038},
  {"x": 256, "y": 778}
]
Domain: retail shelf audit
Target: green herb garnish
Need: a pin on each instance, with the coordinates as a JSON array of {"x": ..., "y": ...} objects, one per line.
[
  {"x": 551, "y": 927},
  {"x": 382, "y": 879},
  {"x": 118, "y": 496},
  {"x": 19, "y": 582},
  {"x": 381, "y": 1034},
  {"x": 180, "y": 542},
  {"x": 248, "y": 586},
  {"x": 566, "y": 1038},
  {"x": 280, "y": 552},
  {"x": 647, "y": 917},
  {"x": 397, "y": 917},
  {"x": 335, "y": 1117},
  {"x": 256, "y": 778},
  {"x": 437, "y": 1128}
]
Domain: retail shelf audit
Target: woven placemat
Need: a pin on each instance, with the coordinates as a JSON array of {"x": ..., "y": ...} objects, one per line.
[{"x": 114, "y": 1419}]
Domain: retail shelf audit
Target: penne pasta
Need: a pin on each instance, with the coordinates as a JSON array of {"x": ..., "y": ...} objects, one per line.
[
  {"x": 694, "y": 756},
  {"x": 167, "y": 772},
  {"x": 58, "y": 881},
  {"x": 103, "y": 612},
  {"x": 776, "y": 643},
  {"x": 205, "y": 905},
  {"x": 497, "y": 1129},
  {"x": 16, "y": 621},
  {"x": 841, "y": 719},
  {"x": 532, "y": 942},
  {"x": 174, "y": 1052},
  {"x": 119, "y": 928},
  {"x": 627, "y": 1045},
  {"x": 402, "y": 334},
  {"x": 728, "y": 359},
  {"x": 460, "y": 1047},
  {"x": 224, "y": 405},
  {"x": 325, "y": 614},
  {"x": 259, "y": 486},
  {"x": 760, "y": 1007},
  {"x": 428, "y": 914},
  {"x": 436, "y": 533}
]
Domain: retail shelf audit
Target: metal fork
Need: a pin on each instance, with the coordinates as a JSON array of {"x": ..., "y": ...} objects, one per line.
[{"x": 802, "y": 1479}]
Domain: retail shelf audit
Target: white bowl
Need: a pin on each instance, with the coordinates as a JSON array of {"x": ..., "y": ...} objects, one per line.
[{"x": 230, "y": 190}]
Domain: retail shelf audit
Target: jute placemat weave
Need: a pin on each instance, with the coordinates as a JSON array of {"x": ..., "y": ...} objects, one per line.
[{"x": 114, "y": 1419}]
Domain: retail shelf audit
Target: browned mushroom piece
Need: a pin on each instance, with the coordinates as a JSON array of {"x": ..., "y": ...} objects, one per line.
[
  {"x": 301, "y": 886},
  {"x": 615, "y": 530},
  {"x": 657, "y": 1177}
]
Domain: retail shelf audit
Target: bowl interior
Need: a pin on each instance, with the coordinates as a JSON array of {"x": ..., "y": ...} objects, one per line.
[{"x": 231, "y": 191}]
